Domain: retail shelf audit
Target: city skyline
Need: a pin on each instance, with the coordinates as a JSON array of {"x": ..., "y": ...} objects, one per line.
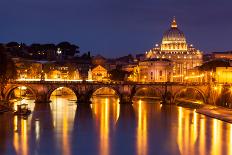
[{"x": 84, "y": 22}]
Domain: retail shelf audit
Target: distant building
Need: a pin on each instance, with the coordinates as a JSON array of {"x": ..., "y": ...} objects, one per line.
[
  {"x": 99, "y": 73},
  {"x": 155, "y": 70},
  {"x": 119, "y": 63},
  {"x": 28, "y": 69},
  {"x": 175, "y": 48},
  {"x": 61, "y": 71},
  {"x": 129, "y": 67},
  {"x": 222, "y": 55},
  {"x": 223, "y": 75}
]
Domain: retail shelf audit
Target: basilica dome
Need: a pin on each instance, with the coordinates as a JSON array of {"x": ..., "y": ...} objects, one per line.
[
  {"x": 174, "y": 35},
  {"x": 174, "y": 39}
]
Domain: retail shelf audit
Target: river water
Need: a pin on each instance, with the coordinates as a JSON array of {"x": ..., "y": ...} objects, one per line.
[{"x": 108, "y": 128}]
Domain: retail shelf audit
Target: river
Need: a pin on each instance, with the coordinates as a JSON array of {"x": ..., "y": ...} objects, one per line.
[{"x": 108, "y": 128}]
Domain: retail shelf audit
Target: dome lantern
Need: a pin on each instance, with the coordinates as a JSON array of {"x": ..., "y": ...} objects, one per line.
[
  {"x": 174, "y": 23},
  {"x": 174, "y": 39}
]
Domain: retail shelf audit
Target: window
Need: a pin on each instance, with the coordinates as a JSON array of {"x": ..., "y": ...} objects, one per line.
[{"x": 160, "y": 72}]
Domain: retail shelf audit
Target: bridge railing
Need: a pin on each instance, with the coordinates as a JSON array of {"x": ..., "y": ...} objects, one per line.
[{"x": 106, "y": 82}]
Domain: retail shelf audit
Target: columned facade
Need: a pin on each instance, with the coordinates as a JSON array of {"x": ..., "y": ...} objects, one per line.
[{"x": 175, "y": 48}]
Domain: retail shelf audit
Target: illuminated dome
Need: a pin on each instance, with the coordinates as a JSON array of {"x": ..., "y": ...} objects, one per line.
[{"x": 174, "y": 39}]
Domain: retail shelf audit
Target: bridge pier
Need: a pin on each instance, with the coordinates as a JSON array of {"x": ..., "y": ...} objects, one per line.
[
  {"x": 42, "y": 98},
  {"x": 125, "y": 99},
  {"x": 42, "y": 90},
  {"x": 83, "y": 99}
]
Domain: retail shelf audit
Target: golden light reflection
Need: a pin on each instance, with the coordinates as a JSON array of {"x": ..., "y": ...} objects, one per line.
[
  {"x": 142, "y": 129},
  {"x": 216, "y": 140},
  {"x": 106, "y": 112},
  {"x": 24, "y": 142},
  {"x": 230, "y": 142},
  {"x": 179, "y": 135},
  {"x": 194, "y": 132},
  {"x": 187, "y": 142},
  {"x": 104, "y": 128},
  {"x": 202, "y": 135},
  {"x": 16, "y": 135},
  {"x": 118, "y": 111},
  {"x": 37, "y": 130},
  {"x": 63, "y": 115},
  {"x": 65, "y": 140},
  {"x": 187, "y": 131}
]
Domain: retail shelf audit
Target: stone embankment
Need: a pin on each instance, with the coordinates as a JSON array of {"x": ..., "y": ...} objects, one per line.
[{"x": 220, "y": 113}]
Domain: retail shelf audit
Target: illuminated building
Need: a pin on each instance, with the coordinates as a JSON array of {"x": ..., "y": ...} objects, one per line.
[
  {"x": 29, "y": 69},
  {"x": 155, "y": 70},
  {"x": 99, "y": 73},
  {"x": 135, "y": 75},
  {"x": 223, "y": 74},
  {"x": 175, "y": 48},
  {"x": 66, "y": 71}
]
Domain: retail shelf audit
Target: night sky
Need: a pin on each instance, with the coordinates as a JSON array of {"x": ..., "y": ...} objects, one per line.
[{"x": 114, "y": 28}]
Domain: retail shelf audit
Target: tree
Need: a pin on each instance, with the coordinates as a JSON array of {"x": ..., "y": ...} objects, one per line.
[
  {"x": 7, "y": 70},
  {"x": 118, "y": 75},
  {"x": 12, "y": 44},
  {"x": 68, "y": 49}
]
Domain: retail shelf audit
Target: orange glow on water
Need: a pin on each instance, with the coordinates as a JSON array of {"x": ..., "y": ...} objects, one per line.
[
  {"x": 142, "y": 129},
  {"x": 230, "y": 140},
  {"x": 106, "y": 112},
  {"x": 179, "y": 135},
  {"x": 202, "y": 136},
  {"x": 24, "y": 137},
  {"x": 16, "y": 135},
  {"x": 216, "y": 142},
  {"x": 65, "y": 139}
]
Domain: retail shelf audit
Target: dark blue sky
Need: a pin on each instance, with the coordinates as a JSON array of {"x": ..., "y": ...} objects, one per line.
[{"x": 116, "y": 27}]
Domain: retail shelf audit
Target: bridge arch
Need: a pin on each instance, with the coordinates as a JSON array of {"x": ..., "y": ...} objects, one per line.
[
  {"x": 113, "y": 90},
  {"x": 12, "y": 88},
  {"x": 190, "y": 91},
  {"x": 151, "y": 91},
  {"x": 49, "y": 94}
]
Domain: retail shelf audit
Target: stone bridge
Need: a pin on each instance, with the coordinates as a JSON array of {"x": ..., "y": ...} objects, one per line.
[{"x": 168, "y": 92}]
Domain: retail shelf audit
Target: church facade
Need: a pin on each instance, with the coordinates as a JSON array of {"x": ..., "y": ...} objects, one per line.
[{"x": 174, "y": 47}]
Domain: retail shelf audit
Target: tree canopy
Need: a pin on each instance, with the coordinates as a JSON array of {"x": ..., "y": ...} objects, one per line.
[
  {"x": 7, "y": 69},
  {"x": 118, "y": 75}
]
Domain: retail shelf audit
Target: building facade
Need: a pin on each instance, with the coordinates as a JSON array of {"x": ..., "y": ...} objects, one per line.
[
  {"x": 175, "y": 48},
  {"x": 222, "y": 55},
  {"x": 99, "y": 73},
  {"x": 155, "y": 70},
  {"x": 223, "y": 75}
]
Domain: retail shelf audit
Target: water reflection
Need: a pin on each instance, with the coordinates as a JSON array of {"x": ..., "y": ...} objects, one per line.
[
  {"x": 84, "y": 135},
  {"x": 125, "y": 130},
  {"x": 63, "y": 111},
  {"x": 42, "y": 127},
  {"x": 106, "y": 127},
  {"x": 230, "y": 140},
  {"x": 106, "y": 113},
  {"x": 142, "y": 129}
]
